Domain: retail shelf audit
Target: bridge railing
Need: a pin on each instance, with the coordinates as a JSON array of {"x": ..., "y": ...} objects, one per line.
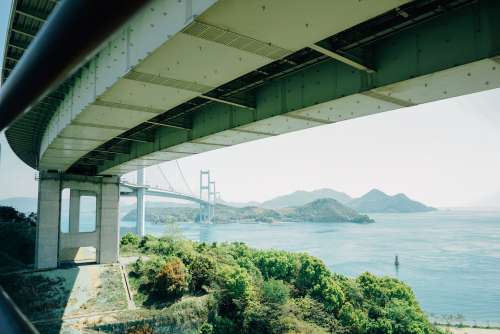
[{"x": 12, "y": 320}]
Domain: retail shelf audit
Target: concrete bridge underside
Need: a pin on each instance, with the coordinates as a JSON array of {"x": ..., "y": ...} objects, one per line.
[{"x": 185, "y": 77}]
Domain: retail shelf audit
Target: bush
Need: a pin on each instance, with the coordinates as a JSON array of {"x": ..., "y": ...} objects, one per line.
[
  {"x": 172, "y": 280},
  {"x": 130, "y": 239},
  {"x": 206, "y": 328},
  {"x": 147, "y": 271},
  {"x": 328, "y": 292},
  {"x": 275, "y": 292},
  {"x": 277, "y": 264},
  {"x": 311, "y": 273},
  {"x": 237, "y": 284},
  {"x": 17, "y": 238},
  {"x": 202, "y": 270}
]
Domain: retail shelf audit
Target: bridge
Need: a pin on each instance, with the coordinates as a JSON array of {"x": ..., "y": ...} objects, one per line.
[
  {"x": 140, "y": 189},
  {"x": 183, "y": 77}
]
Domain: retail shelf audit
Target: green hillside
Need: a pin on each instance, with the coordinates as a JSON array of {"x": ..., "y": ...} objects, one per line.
[
  {"x": 243, "y": 290},
  {"x": 321, "y": 210}
]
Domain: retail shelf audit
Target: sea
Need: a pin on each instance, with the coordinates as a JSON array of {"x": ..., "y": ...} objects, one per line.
[{"x": 451, "y": 259}]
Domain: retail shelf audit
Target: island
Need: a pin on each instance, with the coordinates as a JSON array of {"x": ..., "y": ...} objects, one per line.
[
  {"x": 320, "y": 210},
  {"x": 376, "y": 201}
]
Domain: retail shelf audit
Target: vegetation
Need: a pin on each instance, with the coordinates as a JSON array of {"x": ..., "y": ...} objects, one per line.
[
  {"x": 17, "y": 239},
  {"x": 254, "y": 291}
]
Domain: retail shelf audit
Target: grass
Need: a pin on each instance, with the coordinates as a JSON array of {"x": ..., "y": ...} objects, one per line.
[
  {"x": 38, "y": 296},
  {"x": 185, "y": 316}
]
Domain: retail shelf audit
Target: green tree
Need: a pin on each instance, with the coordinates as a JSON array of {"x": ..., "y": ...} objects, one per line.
[
  {"x": 202, "y": 270},
  {"x": 206, "y": 328},
  {"x": 275, "y": 292},
  {"x": 311, "y": 272},
  {"x": 130, "y": 239},
  {"x": 277, "y": 264},
  {"x": 171, "y": 282}
]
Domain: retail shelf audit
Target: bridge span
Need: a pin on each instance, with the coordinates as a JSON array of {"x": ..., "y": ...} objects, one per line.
[
  {"x": 140, "y": 190},
  {"x": 183, "y": 77}
]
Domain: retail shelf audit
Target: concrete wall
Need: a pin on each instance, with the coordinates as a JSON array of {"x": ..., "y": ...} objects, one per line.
[
  {"x": 47, "y": 231},
  {"x": 110, "y": 228},
  {"x": 51, "y": 243}
]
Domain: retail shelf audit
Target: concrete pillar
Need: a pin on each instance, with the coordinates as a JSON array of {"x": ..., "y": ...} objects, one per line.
[
  {"x": 109, "y": 222},
  {"x": 51, "y": 243},
  {"x": 47, "y": 229},
  {"x": 141, "y": 203},
  {"x": 74, "y": 211}
]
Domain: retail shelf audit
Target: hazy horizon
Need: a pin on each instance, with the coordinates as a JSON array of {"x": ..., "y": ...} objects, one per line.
[{"x": 444, "y": 154}]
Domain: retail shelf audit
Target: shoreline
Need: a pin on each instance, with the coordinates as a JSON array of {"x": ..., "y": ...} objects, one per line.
[{"x": 454, "y": 329}]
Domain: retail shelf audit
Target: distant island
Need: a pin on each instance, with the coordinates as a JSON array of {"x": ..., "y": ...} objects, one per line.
[
  {"x": 320, "y": 210},
  {"x": 321, "y": 205},
  {"x": 375, "y": 201}
]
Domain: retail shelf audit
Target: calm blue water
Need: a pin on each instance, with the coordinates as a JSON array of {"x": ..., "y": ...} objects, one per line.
[{"x": 450, "y": 258}]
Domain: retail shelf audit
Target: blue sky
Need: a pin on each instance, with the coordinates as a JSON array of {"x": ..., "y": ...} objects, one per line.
[{"x": 444, "y": 153}]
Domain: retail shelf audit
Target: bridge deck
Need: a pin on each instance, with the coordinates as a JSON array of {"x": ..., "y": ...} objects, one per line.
[
  {"x": 129, "y": 189},
  {"x": 181, "y": 80}
]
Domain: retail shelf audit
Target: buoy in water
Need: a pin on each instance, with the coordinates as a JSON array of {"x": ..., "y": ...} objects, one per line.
[{"x": 396, "y": 261}]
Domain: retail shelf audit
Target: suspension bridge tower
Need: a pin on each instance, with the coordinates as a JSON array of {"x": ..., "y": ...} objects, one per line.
[
  {"x": 207, "y": 192},
  {"x": 141, "y": 202}
]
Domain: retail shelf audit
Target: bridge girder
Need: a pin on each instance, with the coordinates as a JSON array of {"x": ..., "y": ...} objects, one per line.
[
  {"x": 450, "y": 50},
  {"x": 454, "y": 54},
  {"x": 154, "y": 64}
]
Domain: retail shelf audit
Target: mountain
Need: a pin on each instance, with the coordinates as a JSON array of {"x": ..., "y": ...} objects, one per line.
[
  {"x": 21, "y": 204},
  {"x": 321, "y": 210},
  {"x": 378, "y": 201},
  {"x": 324, "y": 210},
  {"x": 303, "y": 197}
]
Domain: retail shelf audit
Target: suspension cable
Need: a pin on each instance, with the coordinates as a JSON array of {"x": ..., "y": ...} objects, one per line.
[
  {"x": 182, "y": 175},
  {"x": 165, "y": 178}
]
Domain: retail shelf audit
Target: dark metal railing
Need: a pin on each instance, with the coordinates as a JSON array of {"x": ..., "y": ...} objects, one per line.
[
  {"x": 12, "y": 320},
  {"x": 74, "y": 30}
]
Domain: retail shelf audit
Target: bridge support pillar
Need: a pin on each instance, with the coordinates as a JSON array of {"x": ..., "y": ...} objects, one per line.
[
  {"x": 141, "y": 203},
  {"x": 54, "y": 246},
  {"x": 47, "y": 229}
]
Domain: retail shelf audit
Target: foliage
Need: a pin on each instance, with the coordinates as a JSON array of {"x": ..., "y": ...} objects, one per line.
[
  {"x": 202, "y": 270},
  {"x": 319, "y": 210},
  {"x": 273, "y": 292},
  {"x": 17, "y": 239},
  {"x": 9, "y": 214},
  {"x": 277, "y": 264},
  {"x": 172, "y": 280},
  {"x": 130, "y": 239},
  {"x": 206, "y": 328}
]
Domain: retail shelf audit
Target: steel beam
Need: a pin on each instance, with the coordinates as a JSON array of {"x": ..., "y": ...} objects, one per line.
[
  {"x": 31, "y": 16},
  {"x": 168, "y": 125},
  {"x": 23, "y": 33},
  {"x": 341, "y": 58},
  {"x": 227, "y": 102}
]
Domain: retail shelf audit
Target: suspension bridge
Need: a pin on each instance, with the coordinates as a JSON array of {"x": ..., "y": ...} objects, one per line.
[
  {"x": 206, "y": 198},
  {"x": 93, "y": 90}
]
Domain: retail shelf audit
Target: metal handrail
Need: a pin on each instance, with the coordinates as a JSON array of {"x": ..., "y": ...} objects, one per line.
[
  {"x": 12, "y": 320},
  {"x": 73, "y": 32}
]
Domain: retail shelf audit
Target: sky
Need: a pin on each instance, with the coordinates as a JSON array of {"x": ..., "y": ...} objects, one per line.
[{"x": 446, "y": 154}]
